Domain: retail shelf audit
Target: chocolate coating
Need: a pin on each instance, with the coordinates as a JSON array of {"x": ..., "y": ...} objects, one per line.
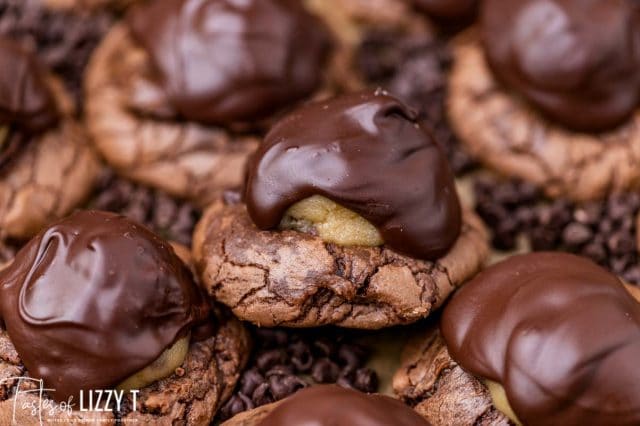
[
  {"x": 331, "y": 405},
  {"x": 26, "y": 103},
  {"x": 223, "y": 61},
  {"x": 577, "y": 61},
  {"x": 367, "y": 152},
  {"x": 93, "y": 299},
  {"x": 560, "y": 333},
  {"x": 448, "y": 10}
]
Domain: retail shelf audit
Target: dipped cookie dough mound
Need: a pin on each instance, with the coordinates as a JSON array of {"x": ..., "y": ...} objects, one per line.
[
  {"x": 97, "y": 302},
  {"x": 545, "y": 338},
  {"x": 330, "y": 405},
  {"x": 350, "y": 217},
  {"x": 177, "y": 92},
  {"x": 553, "y": 104},
  {"x": 47, "y": 167}
]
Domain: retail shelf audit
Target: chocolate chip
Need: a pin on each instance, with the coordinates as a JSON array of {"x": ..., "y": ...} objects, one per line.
[
  {"x": 576, "y": 234},
  {"x": 171, "y": 218},
  {"x": 325, "y": 371},
  {"x": 250, "y": 380},
  {"x": 604, "y": 231},
  {"x": 271, "y": 358},
  {"x": 285, "y": 361}
]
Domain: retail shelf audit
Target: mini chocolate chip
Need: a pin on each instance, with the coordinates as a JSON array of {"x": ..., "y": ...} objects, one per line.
[
  {"x": 325, "y": 371},
  {"x": 270, "y": 358},
  {"x": 621, "y": 243},
  {"x": 301, "y": 356},
  {"x": 366, "y": 380},
  {"x": 350, "y": 356},
  {"x": 262, "y": 395},
  {"x": 595, "y": 251},
  {"x": 280, "y": 370},
  {"x": 325, "y": 347},
  {"x": 250, "y": 380},
  {"x": 576, "y": 234},
  {"x": 283, "y": 386}
]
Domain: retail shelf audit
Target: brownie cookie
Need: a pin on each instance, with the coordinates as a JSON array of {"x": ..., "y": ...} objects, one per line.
[
  {"x": 558, "y": 107},
  {"x": 318, "y": 405},
  {"x": 544, "y": 338},
  {"x": 350, "y": 217},
  {"x": 47, "y": 167},
  {"x": 85, "y": 308},
  {"x": 177, "y": 118}
]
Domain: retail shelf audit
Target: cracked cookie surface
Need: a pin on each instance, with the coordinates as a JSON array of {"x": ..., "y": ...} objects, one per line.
[
  {"x": 185, "y": 159},
  {"x": 51, "y": 176},
  {"x": 191, "y": 395},
  {"x": 439, "y": 389},
  {"x": 509, "y": 136},
  {"x": 288, "y": 278}
]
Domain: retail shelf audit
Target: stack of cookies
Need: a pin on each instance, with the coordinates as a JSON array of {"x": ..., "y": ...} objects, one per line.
[{"x": 319, "y": 212}]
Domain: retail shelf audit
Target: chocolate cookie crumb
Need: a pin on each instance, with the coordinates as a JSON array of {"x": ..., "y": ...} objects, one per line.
[
  {"x": 64, "y": 40},
  {"x": 414, "y": 69},
  {"x": 601, "y": 230},
  {"x": 173, "y": 219},
  {"x": 285, "y": 361}
]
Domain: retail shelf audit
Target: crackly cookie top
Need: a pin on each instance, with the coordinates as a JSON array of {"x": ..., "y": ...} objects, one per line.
[
  {"x": 578, "y": 61},
  {"x": 558, "y": 332},
  {"x": 450, "y": 10},
  {"x": 228, "y": 61},
  {"x": 367, "y": 152},
  {"x": 93, "y": 299},
  {"x": 331, "y": 405},
  {"x": 27, "y": 106}
]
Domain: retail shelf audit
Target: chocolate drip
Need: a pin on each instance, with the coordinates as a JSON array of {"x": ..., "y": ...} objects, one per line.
[
  {"x": 561, "y": 334},
  {"x": 223, "y": 62},
  {"x": 577, "y": 61},
  {"x": 330, "y": 405},
  {"x": 367, "y": 152},
  {"x": 95, "y": 298},
  {"x": 27, "y": 106}
]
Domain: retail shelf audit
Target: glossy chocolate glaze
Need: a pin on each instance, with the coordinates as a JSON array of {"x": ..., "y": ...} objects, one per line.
[
  {"x": 27, "y": 106},
  {"x": 331, "y": 405},
  {"x": 367, "y": 152},
  {"x": 449, "y": 10},
  {"x": 578, "y": 61},
  {"x": 560, "y": 333},
  {"x": 228, "y": 61},
  {"x": 93, "y": 299}
]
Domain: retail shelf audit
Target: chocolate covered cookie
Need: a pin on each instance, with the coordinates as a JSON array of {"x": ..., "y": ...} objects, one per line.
[
  {"x": 350, "y": 217},
  {"x": 47, "y": 167},
  {"x": 548, "y": 91},
  {"x": 178, "y": 91},
  {"x": 331, "y": 406},
  {"x": 545, "y": 338},
  {"x": 99, "y": 303}
]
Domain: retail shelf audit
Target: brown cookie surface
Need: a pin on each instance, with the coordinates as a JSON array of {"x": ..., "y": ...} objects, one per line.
[
  {"x": 191, "y": 395},
  {"x": 52, "y": 175},
  {"x": 293, "y": 279},
  {"x": 507, "y": 135},
  {"x": 182, "y": 158},
  {"x": 439, "y": 389}
]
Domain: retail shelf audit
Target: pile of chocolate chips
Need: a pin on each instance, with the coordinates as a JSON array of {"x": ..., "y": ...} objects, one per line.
[
  {"x": 601, "y": 230},
  {"x": 171, "y": 218},
  {"x": 64, "y": 40},
  {"x": 414, "y": 68},
  {"x": 286, "y": 361}
]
